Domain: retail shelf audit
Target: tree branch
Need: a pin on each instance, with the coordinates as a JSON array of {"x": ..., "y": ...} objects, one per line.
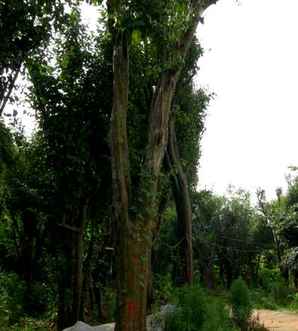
[{"x": 11, "y": 86}]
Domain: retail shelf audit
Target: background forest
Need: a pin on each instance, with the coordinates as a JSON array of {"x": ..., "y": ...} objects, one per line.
[{"x": 100, "y": 215}]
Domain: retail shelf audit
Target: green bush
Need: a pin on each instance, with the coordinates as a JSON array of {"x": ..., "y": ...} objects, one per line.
[
  {"x": 261, "y": 299},
  {"x": 217, "y": 317},
  {"x": 240, "y": 302},
  {"x": 195, "y": 310},
  {"x": 163, "y": 288},
  {"x": 37, "y": 299},
  {"x": 281, "y": 293},
  {"x": 294, "y": 303},
  {"x": 12, "y": 292},
  {"x": 269, "y": 277},
  {"x": 110, "y": 302},
  {"x": 190, "y": 311}
]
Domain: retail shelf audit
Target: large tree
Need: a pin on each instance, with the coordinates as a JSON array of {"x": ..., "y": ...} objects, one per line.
[
  {"x": 26, "y": 25},
  {"x": 72, "y": 96},
  {"x": 167, "y": 28}
]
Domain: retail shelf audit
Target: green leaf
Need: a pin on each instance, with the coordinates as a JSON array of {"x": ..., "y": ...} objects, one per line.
[{"x": 136, "y": 37}]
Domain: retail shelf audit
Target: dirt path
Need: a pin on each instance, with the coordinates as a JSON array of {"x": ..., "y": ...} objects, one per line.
[{"x": 278, "y": 320}]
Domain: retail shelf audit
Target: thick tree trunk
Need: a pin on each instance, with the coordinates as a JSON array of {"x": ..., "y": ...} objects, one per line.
[
  {"x": 135, "y": 225},
  {"x": 133, "y": 235},
  {"x": 133, "y": 271},
  {"x": 181, "y": 194}
]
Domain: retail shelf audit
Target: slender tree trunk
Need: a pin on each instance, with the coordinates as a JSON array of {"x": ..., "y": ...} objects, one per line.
[
  {"x": 295, "y": 276},
  {"x": 181, "y": 194},
  {"x": 11, "y": 85},
  {"x": 27, "y": 255},
  {"x": 71, "y": 278}
]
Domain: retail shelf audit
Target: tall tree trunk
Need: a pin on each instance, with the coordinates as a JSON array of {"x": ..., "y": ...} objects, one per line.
[
  {"x": 135, "y": 228},
  {"x": 133, "y": 235},
  {"x": 27, "y": 255},
  {"x": 71, "y": 277},
  {"x": 181, "y": 194}
]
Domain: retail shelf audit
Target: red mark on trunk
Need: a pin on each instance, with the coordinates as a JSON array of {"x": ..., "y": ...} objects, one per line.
[
  {"x": 135, "y": 259},
  {"x": 131, "y": 308}
]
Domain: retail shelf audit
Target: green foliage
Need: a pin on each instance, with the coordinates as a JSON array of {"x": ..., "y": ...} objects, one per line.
[
  {"x": 281, "y": 293},
  {"x": 262, "y": 299},
  {"x": 190, "y": 311},
  {"x": 163, "y": 288},
  {"x": 38, "y": 300},
  {"x": 217, "y": 316},
  {"x": 28, "y": 324},
  {"x": 241, "y": 304},
  {"x": 26, "y": 25},
  {"x": 12, "y": 294},
  {"x": 226, "y": 232},
  {"x": 195, "y": 310},
  {"x": 294, "y": 303},
  {"x": 268, "y": 277},
  {"x": 110, "y": 303}
]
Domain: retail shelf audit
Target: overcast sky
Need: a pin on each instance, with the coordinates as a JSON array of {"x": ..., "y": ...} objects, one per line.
[{"x": 251, "y": 63}]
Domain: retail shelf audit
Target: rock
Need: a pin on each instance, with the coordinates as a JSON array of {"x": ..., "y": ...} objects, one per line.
[
  {"x": 155, "y": 322},
  {"x": 81, "y": 326}
]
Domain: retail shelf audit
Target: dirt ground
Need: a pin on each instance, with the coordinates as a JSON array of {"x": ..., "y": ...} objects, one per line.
[{"x": 278, "y": 320}]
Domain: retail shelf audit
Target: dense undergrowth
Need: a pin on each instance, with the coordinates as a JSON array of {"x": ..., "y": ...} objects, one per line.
[{"x": 196, "y": 308}]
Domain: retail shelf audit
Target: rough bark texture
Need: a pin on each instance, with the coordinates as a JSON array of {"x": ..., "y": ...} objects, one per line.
[
  {"x": 133, "y": 235},
  {"x": 181, "y": 195}
]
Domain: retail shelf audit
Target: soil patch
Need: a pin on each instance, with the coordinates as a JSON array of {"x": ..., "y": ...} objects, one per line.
[{"x": 277, "y": 320}]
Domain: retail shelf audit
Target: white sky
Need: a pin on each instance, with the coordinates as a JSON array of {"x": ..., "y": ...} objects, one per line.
[{"x": 251, "y": 63}]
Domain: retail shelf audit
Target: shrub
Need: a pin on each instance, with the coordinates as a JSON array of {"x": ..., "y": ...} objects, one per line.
[
  {"x": 268, "y": 277},
  {"x": 217, "y": 317},
  {"x": 12, "y": 291},
  {"x": 240, "y": 302},
  {"x": 294, "y": 303},
  {"x": 163, "y": 288},
  {"x": 195, "y": 310},
  {"x": 38, "y": 299},
  {"x": 110, "y": 304},
  {"x": 190, "y": 311},
  {"x": 263, "y": 300},
  {"x": 280, "y": 293}
]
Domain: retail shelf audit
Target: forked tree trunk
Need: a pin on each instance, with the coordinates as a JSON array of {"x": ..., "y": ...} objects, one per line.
[
  {"x": 135, "y": 229},
  {"x": 181, "y": 195}
]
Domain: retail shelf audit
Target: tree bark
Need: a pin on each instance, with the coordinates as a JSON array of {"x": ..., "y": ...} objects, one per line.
[
  {"x": 133, "y": 235},
  {"x": 71, "y": 277},
  {"x": 11, "y": 85},
  {"x": 181, "y": 195},
  {"x": 134, "y": 229}
]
